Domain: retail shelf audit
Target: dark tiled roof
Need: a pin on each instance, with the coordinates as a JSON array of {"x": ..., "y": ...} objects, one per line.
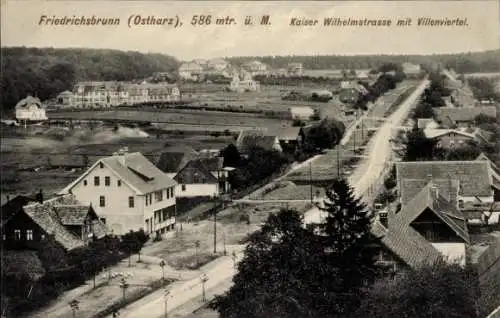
[
  {"x": 195, "y": 172},
  {"x": 72, "y": 214},
  {"x": 474, "y": 176},
  {"x": 172, "y": 162},
  {"x": 442, "y": 208},
  {"x": 250, "y": 139},
  {"x": 406, "y": 244},
  {"x": 46, "y": 217},
  {"x": 409, "y": 188},
  {"x": 463, "y": 113}
]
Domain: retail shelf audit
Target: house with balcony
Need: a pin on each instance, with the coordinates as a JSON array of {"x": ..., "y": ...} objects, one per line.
[
  {"x": 100, "y": 94},
  {"x": 30, "y": 110},
  {"x": 128, "y": 192},
  {"x": 27, "y": 222}
]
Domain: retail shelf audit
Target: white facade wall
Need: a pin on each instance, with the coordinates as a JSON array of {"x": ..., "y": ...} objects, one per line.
[
  {"x": 119, "y": 216},
  {"x": 196, "y": 190}
]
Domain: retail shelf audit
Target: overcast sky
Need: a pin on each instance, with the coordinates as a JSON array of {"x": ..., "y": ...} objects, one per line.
[{"x": 20, "y": 27}]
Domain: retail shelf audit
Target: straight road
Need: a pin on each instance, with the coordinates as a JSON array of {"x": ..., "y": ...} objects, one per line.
[
  {"x": 380, "y": 151},
  {"x": 220, "y": 274}
]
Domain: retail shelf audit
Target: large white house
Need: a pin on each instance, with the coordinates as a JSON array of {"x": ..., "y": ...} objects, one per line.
[
  {"x": 29, "y": 110},
  {"x": 128, "y": 192}
]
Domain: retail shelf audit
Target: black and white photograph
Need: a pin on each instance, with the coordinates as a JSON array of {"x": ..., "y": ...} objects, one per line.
[{"x": 250, "y": 159}]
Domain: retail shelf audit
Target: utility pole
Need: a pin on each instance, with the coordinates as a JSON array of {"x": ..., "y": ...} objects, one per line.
[
  {"x": 310, "y": 181},
  {"x": 338, "y": 160}
]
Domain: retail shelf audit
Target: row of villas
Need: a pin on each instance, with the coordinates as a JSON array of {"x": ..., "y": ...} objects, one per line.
[
  {"x": 193, "y": 70},
  {"x": 112, "y": 93}
]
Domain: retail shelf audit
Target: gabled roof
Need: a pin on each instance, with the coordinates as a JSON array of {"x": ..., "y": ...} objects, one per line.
[
  {"x": 248, "y": 139},
  {"x": 474, "y": 176},
  {"x": 406, "y": 244},
  {"x": 135, "y": 170},
  {"x": 29, "y": 100},
  {"x": 45, "y": 216},
  {"x": 173, "y": 161},
  {"x": 409, "y": 188},
  {"x": 463, "y": 113},
  {"x": 196, "y": 172},
  {"x": 431, "y": 133},
  {"x": 73, "y": 214},
  {"x": 427, "y": 199}
]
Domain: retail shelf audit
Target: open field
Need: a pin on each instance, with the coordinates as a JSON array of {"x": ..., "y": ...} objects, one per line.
[{"x": 38, "y": 147}]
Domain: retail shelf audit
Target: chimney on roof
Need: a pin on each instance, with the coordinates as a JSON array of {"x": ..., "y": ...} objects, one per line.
[
  {"x": 434, "y": 191},
  {"x": 39, "y": 196}
]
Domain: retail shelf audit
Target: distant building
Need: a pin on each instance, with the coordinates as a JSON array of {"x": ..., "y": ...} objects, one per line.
[
  {"x": 462, "y": 117},
  {"x": 128, "y": 192},
  {"x": 455, "y": 138},
  {"x": 66, "y": 99},
  {"x": 100, "y": 94},
  {"x": 302, "y": 112},
  {"x": 411, "y": 70},
  {"x": 217, "y": 65},
  {"x": 248, "y": 139},
  {"x": 351, "y": 92},
  {"x": 190, "y": 70},
  {"x": 27, "y": 223},
  {"x": 256, "y": 68},
  {"x": 295, "y": 69},
  {"x": 30, "y": 110},
  {"x": 247, "y": 84}
]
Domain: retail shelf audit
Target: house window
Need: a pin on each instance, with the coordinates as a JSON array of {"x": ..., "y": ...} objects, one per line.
[
  {"x": 159, "y": 196},
  {"x": 168, "y": 193},
  {"x": 130, "y": 202},
  {"x": 103, "y": 220},
  {"x": 101, "y": 165},
  {"x": 165, "y": 214},
  {"x": 84, "y": 182},
  {"x": 119, "y": 183},
  {"x": 29, "y": 235},
  {"x": 183, "y": 187},
  {"x": 102, "y": 201},
  {"x": 172, "y": 192},
  {"x": 107, "y": 181},
  {"x": 17, "y": 234},
  {"x": 96, "y": 181}
]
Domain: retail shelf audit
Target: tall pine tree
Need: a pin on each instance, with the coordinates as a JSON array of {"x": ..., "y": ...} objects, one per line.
[{"x": 350, "y": 248}]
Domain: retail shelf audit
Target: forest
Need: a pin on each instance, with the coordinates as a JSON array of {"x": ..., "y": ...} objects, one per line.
[
  {"x": 488, "y": 61},
  {"x": 45, "y": 72}
]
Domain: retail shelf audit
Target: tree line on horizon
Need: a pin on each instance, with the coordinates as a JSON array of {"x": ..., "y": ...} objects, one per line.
[{"x": 45, "y": 72}]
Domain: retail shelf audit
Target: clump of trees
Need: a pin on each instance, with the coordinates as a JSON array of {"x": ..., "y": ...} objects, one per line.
[
  {"x": 392, "y": 74},
  {"x": 330, "y": 270},
  {"x": 292, "y": 271},
  {"x": 66, "y": 270},
  {"x": 47, "y": 72},
  {"x": 432, "y": 97},
  {"x": 484, "y": 89}
]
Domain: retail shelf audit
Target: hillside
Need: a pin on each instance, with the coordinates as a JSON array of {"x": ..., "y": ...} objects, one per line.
[
  {"x": 487, "y": 61},
  {"x": 48, "y": 71}
]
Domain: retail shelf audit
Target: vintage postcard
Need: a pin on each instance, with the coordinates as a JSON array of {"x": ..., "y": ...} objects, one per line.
[{"x": 302, "y": 159}]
